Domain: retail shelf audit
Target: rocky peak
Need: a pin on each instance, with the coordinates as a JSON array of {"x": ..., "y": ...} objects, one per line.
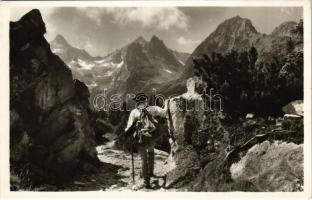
[
  {"x": 157, "y": 47},
  {"x": 284, "y": 29},
  {"x": 67, "y": 52},
  {"x": 140, "y": 40},
  {"x": 34, "y": 19},
  {"x": 156, "y": 41},
  {"x": 59, "y": 39},
  {"x": 30, "y": 27},
  {"x": 237, "y": 26}
]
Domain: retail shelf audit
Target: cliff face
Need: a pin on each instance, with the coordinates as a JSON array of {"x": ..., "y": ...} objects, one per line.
[{"x": 49, "y": 111}]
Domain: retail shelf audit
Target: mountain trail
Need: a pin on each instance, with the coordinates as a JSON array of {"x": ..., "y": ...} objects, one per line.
[{"x": 116, "y": 172}]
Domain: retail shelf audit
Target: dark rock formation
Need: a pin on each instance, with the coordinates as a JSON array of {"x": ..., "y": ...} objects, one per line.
[{"x": 49, "y": 111}]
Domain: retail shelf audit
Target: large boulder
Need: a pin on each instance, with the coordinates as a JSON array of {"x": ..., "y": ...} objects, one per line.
[
  {"x": 50, "y": 120},
  {"x": 294, "y": 108},
  {"x": 272, "y": 167},
  {"x": 193, "y": 127}
]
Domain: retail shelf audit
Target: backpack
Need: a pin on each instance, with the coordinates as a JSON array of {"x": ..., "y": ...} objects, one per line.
[{"x": 145, "y": 126}]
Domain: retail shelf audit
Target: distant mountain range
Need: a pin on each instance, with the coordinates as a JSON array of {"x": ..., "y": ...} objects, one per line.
[
  {"x": 143, "y": 65},
  {"x": 137, "y": 67}
]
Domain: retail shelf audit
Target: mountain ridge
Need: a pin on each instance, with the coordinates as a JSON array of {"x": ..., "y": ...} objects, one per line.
[{"x": 138, "y": 66}]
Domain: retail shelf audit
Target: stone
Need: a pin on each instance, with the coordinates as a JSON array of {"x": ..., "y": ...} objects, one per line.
[
  {"x": 271, "y": 166},
  {"x": 290, "y": 116},
  {"x": 250, "y": 116},
  {"x": 294, "y": 107}
]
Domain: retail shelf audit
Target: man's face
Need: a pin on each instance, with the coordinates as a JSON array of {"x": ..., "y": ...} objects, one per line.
[{"x": 142, "y": 105}]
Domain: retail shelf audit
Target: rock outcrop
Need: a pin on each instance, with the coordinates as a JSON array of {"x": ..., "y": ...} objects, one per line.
[
  {"x": 49, "y": 111},
  {"x": 194, "y": 127}
]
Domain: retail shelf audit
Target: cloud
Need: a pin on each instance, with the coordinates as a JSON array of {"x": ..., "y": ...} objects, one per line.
[
  {"x": 185, "y": 41},
  {"x": 287, "y": 11},
  {"x": 159, "y": 18}
]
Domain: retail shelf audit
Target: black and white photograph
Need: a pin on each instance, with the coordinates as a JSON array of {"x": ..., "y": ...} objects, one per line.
[{"x": 157, "y": 98}]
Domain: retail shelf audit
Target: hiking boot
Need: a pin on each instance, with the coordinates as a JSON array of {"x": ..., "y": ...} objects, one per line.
[
  {"x": 141, "y": 185},
  {"x": 147, "y": 186}
]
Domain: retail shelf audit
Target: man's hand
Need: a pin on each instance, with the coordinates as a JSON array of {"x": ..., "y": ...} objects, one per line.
[{"x": 170, "y": 141}]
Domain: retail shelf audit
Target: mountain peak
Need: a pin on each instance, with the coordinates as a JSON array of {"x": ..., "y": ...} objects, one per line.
[
  {"x": 284, "y": 29},
  {"x": 237, "y": 24},
  {"x": 34, "y": 21},
  {"x": 237, "y": 17},
  {"x": 60, "y": 39},
  {"x": 156, "y": 42},
  {"x": 140, "y": 40},
  {"x": 154, "y": 38}
]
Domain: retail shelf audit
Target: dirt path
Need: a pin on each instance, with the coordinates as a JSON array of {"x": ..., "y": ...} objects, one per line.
[
  {"x": 123, "y": 160},
  {"x": 115, "y": 174}
]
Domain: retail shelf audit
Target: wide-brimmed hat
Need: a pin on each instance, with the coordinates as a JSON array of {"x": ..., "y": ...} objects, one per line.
[{"x": 140, "y": 97}]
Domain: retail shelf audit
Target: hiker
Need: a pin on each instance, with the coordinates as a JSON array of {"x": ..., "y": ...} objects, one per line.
[{"x": 145, "y": 134}]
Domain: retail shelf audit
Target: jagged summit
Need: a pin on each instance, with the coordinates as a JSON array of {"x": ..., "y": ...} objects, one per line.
[
  {"x": 234, "y": 33},
  {"x": 236, "y": 24},
  {"x": 67, "y": 52},
  {"x": 140, "y": 40},
  {"x": 60, "y": 39},
  {"x": 129, "y": 67},
  {"x": 34, "y": 14},
  {"x": 154, "y": 38},
  {"x": 284, "y": 29}
]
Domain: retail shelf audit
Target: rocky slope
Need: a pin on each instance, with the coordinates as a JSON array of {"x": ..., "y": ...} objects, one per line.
[
  {"x": 139, "y": 66},
  {"x": 50, "y": 118}
]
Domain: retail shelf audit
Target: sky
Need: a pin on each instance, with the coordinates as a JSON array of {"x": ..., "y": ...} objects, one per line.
[{"x": 101, "y": 30}]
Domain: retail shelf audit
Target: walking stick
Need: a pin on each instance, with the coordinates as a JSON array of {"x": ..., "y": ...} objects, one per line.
[
  {"x": 130, "y": 132},
  {"x": 132, "y": 160}
]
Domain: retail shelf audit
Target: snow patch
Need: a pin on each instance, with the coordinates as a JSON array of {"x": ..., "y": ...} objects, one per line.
[
  {"x": 92, "y": 85},
  {"x": 180, "y": 61},
  {"x": 167, "y": 70},
  {"x": 101, "y": 61},
  {"x": 120, "y": 64},
  {"x": 57, "y": 50},
  {"x": 85, "y": 65}
]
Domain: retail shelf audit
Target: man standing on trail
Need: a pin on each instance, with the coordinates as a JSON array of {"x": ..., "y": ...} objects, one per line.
[{"x": 145, "y": 134}]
